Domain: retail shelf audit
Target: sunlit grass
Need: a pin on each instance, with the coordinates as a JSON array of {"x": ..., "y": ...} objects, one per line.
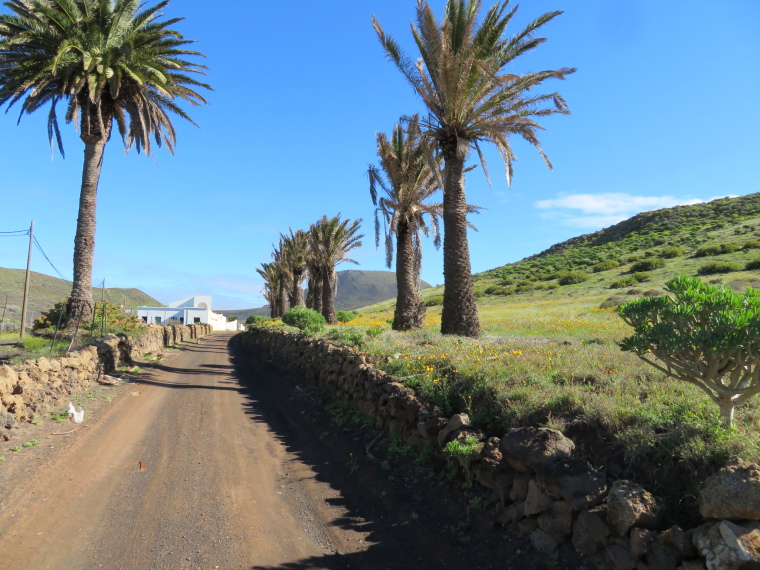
[{"x": 555, "y": 362}]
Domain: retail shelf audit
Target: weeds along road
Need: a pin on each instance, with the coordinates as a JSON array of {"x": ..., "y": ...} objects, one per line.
[{"x": 210, "y": 461}]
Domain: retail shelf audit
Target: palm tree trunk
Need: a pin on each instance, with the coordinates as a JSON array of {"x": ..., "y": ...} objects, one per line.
[
  {"x": 296, "y": 294},
  {"x": 282, "y": 298},
  {"x": 410, "y": 309},
  {"x": 309, "y": 292},
  {"x": 315, "y": 290},
  {"x": 329, "y": 288},
  {"x": 460, "y": 313},
  {"x": 80, "y": 301}
]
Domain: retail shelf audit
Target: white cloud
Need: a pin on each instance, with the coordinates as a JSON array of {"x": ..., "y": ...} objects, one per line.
[{"x": 603, "y": 210}]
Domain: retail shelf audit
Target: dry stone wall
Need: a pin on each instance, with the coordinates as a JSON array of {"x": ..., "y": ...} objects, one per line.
[
  {"x": 40, "y": 385},
  {"x": 538, "y": 487}
]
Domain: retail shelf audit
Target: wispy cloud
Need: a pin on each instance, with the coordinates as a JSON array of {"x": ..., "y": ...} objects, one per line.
[{"x": 595, "y": 211}]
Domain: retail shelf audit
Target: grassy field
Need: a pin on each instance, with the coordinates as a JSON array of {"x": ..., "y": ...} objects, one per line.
[{"x": 550, "y": 358}]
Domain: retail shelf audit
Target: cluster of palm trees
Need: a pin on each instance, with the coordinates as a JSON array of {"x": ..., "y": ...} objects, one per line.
[
  {"x": 310, "y": 255},
  {"x": 470, "y": 98},
  {"x": 118, "y": 62}
]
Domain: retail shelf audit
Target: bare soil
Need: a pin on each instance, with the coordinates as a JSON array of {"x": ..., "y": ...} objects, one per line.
[{"x": 216, "y": 459}]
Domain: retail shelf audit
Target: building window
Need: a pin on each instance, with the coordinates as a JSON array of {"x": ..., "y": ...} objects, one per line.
[
  {"x": 197, "y": 320},
  {"x": 145, "y": 320},
  {"x": 182, "y": 320},
  {"x": 158, "y": 320}
]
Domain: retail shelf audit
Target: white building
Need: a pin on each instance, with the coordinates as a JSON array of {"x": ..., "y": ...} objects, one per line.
[{"x": 191, "y": 311}]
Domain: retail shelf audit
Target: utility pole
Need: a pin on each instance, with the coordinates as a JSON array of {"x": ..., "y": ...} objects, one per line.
[{"x": 26, "y": 281}]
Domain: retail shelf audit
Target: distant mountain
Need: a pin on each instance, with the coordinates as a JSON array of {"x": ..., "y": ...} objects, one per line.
[
  {"x": 45, "y": 291},
  {"x": 356, "y": 289}
]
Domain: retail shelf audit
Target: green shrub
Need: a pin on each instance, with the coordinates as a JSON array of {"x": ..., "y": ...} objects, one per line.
[
  {"x": 434, "y": 301},
  {"x": 751, "y": 244},
  {"x": 752, "y": 265},
  {"x": 303, "y": 319},
  {"x": 51, "y": 317},
  {"x": 574, "y": 277},
  {"x": 642, "y": 276},
  {"x": 345, "y": 316},
  {"x": 373, "y": 332},
  {"x": 707, "y": 251},
  {"x": 497, "y": 290},
  {"x": 554, "y": 285},
  {"x": 719, "y": 267},
  {"x": 605, "y": 265},
  {"x": 623, "y": 282},
  {"x": 710, "y": 250},
  {"x": 523, "y": 287},
  {"x": 634, "y": 257},
  {"x": 729, "y": 248},
  {"x": 648, "y": 264},
  {"x": 671, "y": 252},
  {"x": 351, "y": 338},
  {"x": 560, "y": 274},
  {"x": 705, "y": 335},
  {"x": 256, "y": 320},
  {"x": 610, "y": 302}
]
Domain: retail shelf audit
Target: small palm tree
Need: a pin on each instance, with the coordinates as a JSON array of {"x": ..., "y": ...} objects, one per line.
[
  {"x": 406, "y": 178},
  {"x": 271, "y": 275},
  {"x": 283, "y": 289},
  {"x": 106, "y": 61},
  {"x": 330, "y": 240},
  {"x": 470, "y": 99},
  {"x": 295, "y": 247}
]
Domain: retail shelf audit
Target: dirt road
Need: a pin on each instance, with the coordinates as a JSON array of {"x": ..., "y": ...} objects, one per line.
[{"x": 215, "y": 460}]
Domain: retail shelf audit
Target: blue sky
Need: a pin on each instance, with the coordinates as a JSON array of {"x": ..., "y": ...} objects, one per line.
[{"x": 664, "y": 112}]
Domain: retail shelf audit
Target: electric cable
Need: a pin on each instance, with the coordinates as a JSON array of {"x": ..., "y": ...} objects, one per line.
[{"x": 42, "y": 251}]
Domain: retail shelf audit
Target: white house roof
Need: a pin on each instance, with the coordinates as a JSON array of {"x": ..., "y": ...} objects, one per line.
[{"x": 196, "y": 301}]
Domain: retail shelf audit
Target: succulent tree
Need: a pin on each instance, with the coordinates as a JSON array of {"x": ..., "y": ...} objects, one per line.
[
  {"x": 472, "y": 96},
  {"x": 705, "y": 335}
]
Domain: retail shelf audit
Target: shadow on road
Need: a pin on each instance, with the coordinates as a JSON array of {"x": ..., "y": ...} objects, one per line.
[{"x": 409, "y": 526}]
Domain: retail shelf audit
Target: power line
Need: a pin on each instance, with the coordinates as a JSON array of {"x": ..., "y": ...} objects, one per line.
[
  {"x": 37, "y": 243},
  {"x": 15, "y": 233}
]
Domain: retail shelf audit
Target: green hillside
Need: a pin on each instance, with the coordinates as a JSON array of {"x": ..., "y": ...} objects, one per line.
[
  {"x": 45, "y": 291},
  {"x": 715, "y": 240}
]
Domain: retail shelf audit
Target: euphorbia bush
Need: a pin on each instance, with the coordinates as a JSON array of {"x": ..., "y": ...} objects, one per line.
[
  {"x": 705, "y": 335},
  {"x": 307, "y": 320}
]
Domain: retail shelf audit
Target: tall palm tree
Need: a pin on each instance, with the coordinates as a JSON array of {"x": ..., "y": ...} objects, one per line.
[
  {"x": 407, "y": 179},
  {"x": 470, "y": 98},
  {"x": 294, "y": 247},
  {"x": 330, "y": 240},
  {"x": 106, "y": 60}
]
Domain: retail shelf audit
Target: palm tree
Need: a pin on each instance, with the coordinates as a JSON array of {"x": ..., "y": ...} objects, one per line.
[
  {"x": 407, "y": 180},
  {"x": 470, "y": 99},
  {"x": 330, "y": 240},
  {"x": 107, "y": 61},
  {"x": 271, "y": 275},
  {"x": 294, "y": 249},
  {"x": 283, "y": 284}
]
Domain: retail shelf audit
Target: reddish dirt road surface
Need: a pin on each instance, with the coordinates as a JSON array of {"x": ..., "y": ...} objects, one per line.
[{"x": 218, "y": 460}]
